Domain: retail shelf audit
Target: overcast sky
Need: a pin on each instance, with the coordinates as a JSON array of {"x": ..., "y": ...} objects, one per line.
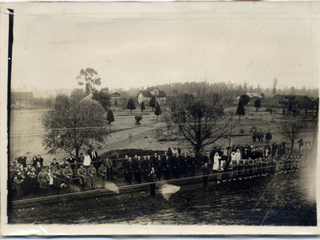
[{"x": 142, "y": 44}]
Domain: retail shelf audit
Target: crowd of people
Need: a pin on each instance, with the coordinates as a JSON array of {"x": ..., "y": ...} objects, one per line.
[{"x": 29, "y": 175}]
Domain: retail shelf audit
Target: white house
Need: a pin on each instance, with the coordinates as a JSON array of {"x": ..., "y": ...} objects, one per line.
[{"x": 146, "y": 95}]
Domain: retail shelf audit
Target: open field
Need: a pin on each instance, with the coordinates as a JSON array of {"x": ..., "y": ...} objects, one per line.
[{"x": 26, "y": 132}]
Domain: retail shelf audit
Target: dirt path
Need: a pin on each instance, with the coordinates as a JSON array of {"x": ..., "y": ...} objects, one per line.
[{"x": 121, "y": 139}]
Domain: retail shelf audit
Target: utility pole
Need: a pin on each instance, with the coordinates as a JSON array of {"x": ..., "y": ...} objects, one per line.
[{"x": 10, "y": 43}]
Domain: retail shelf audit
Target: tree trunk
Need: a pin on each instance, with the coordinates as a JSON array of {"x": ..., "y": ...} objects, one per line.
[
  {"x": 77, "y": 153},
  {"x": 239, "y": 117},
  {"x": 292, "y": 143}
]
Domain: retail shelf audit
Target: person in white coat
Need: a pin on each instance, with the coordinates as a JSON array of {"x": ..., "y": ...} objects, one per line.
[
  {"x": 216, "y": 159},
  {"x": 238, "y": 155}
]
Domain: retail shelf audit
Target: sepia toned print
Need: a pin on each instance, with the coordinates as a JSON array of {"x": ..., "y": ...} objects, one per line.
[{"x": 161, "y": 116}]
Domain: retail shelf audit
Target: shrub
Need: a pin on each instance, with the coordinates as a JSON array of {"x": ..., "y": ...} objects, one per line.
[{"x": 138, "y": 119}]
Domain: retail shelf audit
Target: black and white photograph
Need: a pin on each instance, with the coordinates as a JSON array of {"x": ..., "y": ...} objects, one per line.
[{"x": 159, "y": 118}]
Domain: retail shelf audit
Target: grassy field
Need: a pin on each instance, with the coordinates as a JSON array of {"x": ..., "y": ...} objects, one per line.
[{"x": 26, "y": 132}]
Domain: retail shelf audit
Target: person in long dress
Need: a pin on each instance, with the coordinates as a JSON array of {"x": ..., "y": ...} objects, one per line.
[
  {"x": 216, "y": 159},
  {"x": 238, "y": 155}
]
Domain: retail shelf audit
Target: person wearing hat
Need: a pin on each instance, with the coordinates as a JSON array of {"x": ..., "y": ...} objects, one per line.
[
  {"x": 38, "y": 168},
  {"x": 81, "y": 158},
  {"x": 154, "y": 160},
  {"x": 17, "y": 186},
  {"x": 82, "y": 177},
  {"x": 254, "y": 135},
  {"x": 92, "y": 171},
  {"x": 33, "y": 183},
  {"x": 124, "y": 167},
  {"x": 43, "y": 180},
  {"x": 244, "y": 154},
  {"x": 144, "y": 166},
  {"x": 268, "y": 137},
  {"x": 67, "y": 173},
  {"x": 129, "y": 170},
  {"x": 152, "y": 179},
  {"x": 108, "y": 164},
  {"x": 166, "y": 167},
  {"x": 40, "y": 160},
  {"x": 192, "y": 164},
  {"x": 64, "y": 163},
  {"x": 72, "y": 161},
  {"x": 157, "y": 166},
  {"x": 54, "y": 163},
  {"x": 149, "y": 163},
  {"x": 260, "y": 135},
  {"x": 23, "y": 160},
  {"x": 138, "y": 170},
  {"x": 56, "y": 174},
  {"x": 102, "y": 172}
]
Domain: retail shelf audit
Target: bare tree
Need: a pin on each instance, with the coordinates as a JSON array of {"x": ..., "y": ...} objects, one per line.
[
  {"x": 292, "y": 130},
  {"x": 199, "y": 116}
]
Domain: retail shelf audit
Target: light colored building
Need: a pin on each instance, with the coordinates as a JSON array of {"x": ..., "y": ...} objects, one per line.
[
  {"x": 21, "y": 99},
  {"x": 146, "y": 95}
]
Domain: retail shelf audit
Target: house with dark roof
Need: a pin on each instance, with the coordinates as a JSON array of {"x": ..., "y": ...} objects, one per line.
[
  {"x": 293, "y": 102},
  {"x": 146, "y": 95},
  {"x": 21, "y": 99},
  {"x": 119, "y": 98}
]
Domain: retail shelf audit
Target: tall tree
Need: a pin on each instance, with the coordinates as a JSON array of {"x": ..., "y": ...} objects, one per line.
[
  {"x": 292, "y": 130},
  {"x": 274, "y": 89},
  {"x": 199, "y": 116},
  {"x": 152, "y": 103},
  {"x": 73, "y": 124},
  {"x": 240, "y": 110},
  {"x": 89, "y": 77},
  {"x": 110, "y": 117},
  {"x": 157, "y": 111},
  {"x": 142, "y": 106},
  {"x": 131, "y": 105},
  {"x": 102, "y": 97}
]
